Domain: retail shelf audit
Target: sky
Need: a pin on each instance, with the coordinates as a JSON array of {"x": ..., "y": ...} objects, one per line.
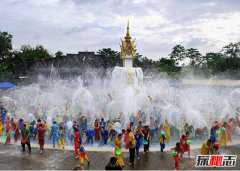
[{"x": 88, "y": 25}]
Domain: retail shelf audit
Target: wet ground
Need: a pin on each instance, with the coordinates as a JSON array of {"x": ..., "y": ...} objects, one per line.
[{"x": 11, "y": 158}]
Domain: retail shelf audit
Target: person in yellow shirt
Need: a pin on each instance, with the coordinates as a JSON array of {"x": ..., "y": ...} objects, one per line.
[
  {"x": 132, "y": 144},
  {"x": 167, "y": 130},
  {"x": 205, "y": 148},
  {"x": 1, "y": 127},
  {"x": 110, "y": 130},
  {"x": 118, "y": 147},
  {"x": 61, "y": 141},
  {"x": 223, "y": 135}
]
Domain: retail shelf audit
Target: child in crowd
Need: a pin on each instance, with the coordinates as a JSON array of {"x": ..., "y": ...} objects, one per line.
[
  {"x": 162, "y": 140},
  {"x": 61, "y": 136},
  {"x": 177, "y": 154}
]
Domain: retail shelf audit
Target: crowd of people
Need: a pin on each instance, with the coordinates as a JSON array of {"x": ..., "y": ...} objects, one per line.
[{"x": 133, "y": 137}]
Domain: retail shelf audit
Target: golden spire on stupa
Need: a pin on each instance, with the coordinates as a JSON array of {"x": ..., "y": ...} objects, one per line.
[{"x": 128, "y": 46}]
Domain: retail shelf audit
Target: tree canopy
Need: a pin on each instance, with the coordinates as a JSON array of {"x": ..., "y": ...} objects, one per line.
[{"x": 180, "y": 60}]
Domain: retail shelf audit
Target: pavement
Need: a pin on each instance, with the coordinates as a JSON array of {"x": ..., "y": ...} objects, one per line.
[{"x": 12, "y": 158}]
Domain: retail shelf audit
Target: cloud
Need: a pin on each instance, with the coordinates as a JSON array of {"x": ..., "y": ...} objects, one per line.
[{"x": 157, "y": 25}]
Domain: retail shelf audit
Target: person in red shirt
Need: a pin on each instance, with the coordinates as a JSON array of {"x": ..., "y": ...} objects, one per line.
[
  {"x": 16, "y": 130},
  {"x": 8, "y": 130},
  {"x": 76, "y": 141},
  {"x": 177, "y": 159},
  {"x": 125, "y": 138},
  {"x": 184, "y": 145},
  {"x": 178, "y": 155},
  {"x": 41, "y": 134},
  {"x": 97, "y": 130}
]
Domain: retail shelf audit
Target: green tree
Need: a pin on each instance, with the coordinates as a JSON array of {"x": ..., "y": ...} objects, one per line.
[
  {"x": 143, "y": 62},
  {"x": 22, "y": 61},
  {"x": 168, "y": 66},
  {"x": 194, "y": 56},
  {"x": 58, "y": 54},
  {"x": 178, "y": 54},
  {"x": 112, "y": 58},
  {"x": 5, "y": 45},
  {"x": 211, "y": 62},
  {"x": 232, "y": 50},
  {"x": 5, "y": 53}
]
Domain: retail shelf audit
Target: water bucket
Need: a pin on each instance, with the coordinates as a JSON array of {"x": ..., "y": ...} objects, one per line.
[
  {"x": 145, "y": 142},
  {"x": 3, "y": 138},
  {"x": 189, "y": 142},
  {"x": 162, "y": 133},
  {"x": 173, "y": 153},
  {"x": 118, "y": 151}
]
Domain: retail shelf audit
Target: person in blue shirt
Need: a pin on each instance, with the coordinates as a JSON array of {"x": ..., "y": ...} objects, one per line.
[
  {"x": 213, "y": 132},
  {"x": 54, "y": 133},
  {"x": 102, "y": 124},
  {"x": 138, "y": 138},
  {"x": 32, "y": 129},
  {"x": 90, "y": 135},
  {"x": 105, "y": 136},
  {"x": 20, "y": 123},
  {"x": 3, "y": 115},
  {"x": 132, "y": 120}
]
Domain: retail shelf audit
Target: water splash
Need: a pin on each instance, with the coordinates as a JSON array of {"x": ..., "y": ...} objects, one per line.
[{"x": 108, "y": 97}]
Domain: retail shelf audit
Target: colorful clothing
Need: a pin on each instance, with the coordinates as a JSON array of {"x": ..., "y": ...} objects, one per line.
[
  {"x": 185, "y": 146},
  {"x": 1, "y": 128},
  {"x": 25, "y": 133},
  {"x": 54, "y": 134},
  {"x": 205, "y": 149},
  {"x": 126, "y": 140},
  {"x": 177, "y": 162},
  {"x": 16, "y": 131},
  {"x": 76, "y": 142},
  {"x": 61, "y": 138},
  {"x": 138, "y": 138},
  {"x": 8, "y": 131},
  {"x": 167, "y": 130},
  {"x": 41, "y": 136},
  {"x": 223, "y": 137},
  {"x": 162, "y": 140},
  {"x": 97, "y": 130},
  {"x": 120, "y": 158},
  {"x": 83, "y": 156}
]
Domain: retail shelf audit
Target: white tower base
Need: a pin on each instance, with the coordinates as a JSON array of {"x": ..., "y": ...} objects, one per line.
[{"x": 127, "y": 63}]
